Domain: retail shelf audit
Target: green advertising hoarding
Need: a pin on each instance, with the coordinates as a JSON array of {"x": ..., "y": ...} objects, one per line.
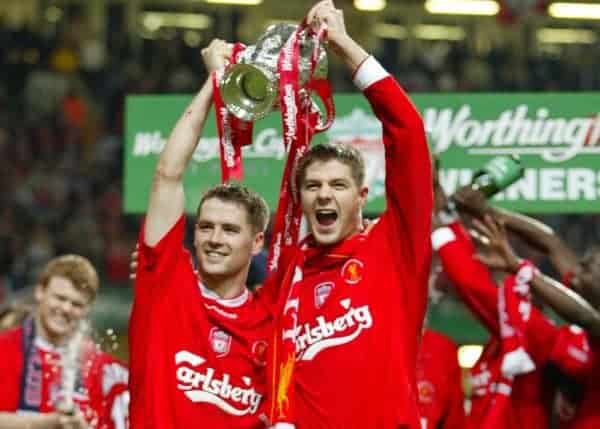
[{"x": 557, "y": 137}]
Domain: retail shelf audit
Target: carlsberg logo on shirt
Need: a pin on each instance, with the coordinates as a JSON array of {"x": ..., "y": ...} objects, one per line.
[
  {"x": 323, "y": 334},
  {"x": 203, "y": 386}
]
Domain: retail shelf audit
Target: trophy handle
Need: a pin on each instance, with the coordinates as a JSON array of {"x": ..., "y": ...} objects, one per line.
[
  {"x": 319, "y": 84},
  {"x": 323, "y": 89}
]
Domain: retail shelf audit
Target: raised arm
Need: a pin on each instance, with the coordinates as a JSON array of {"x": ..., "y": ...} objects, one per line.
[
  {"x": 324, "y": 13},
  {"x": 471, "y": 279},
  {"x": 542, "y": 237},
  {"x": 167, "y": 200},
  {"x": 567, "y": 303},
  {"x": 408, "y": 166},
  {"x": 535, "y": 233}
]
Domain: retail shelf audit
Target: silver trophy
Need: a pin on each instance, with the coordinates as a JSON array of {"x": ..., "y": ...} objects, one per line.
[{"x": 249, "y": 88}]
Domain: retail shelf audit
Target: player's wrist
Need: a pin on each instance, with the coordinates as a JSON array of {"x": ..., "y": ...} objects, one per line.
[{"x": 514, "y": 263}]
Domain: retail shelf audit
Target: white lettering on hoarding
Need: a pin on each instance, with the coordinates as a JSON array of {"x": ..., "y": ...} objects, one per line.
[
  {"x": 544, "y": 184},
  {"x": 267, "y": 143},
  {"x": 554, "y": 139}
]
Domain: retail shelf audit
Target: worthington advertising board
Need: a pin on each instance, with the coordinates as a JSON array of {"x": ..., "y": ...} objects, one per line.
[{"x": 557, "y": 137}]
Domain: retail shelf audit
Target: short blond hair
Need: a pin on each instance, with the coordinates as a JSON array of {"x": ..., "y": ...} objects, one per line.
[{"x": 78, "y": 269}]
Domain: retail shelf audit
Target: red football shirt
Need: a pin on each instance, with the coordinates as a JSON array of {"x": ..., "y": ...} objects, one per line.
[
  {"x": 360, "y": 317},
  {"x": 30, "y": 382},
  {"x": 194, "y": 358},
  {"x": 530, "y": 397},
  {"x": 439, "y": 383}
]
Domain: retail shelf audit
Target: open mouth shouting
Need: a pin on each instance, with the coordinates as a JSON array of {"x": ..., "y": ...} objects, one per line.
[{"x": 326, "y": 218}]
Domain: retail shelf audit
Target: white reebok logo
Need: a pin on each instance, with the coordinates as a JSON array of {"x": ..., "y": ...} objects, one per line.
[
  {"x": 204, "y": 387},
  {"x": 311, "y": 340}
]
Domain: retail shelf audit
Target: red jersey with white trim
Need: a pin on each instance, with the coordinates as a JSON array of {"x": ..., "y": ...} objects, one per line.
[
  {"x": 30, "y": 381},
  {"x": 530, "y": 397},
  {"x": 193, "y": 357},
  {"x": 360, "y": 315},
  {"x": 439, "y": 383}
]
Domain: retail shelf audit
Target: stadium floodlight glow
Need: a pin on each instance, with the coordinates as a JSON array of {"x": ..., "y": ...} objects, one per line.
[
  {"x": 574, "y": 10},
  {"x": 565, "y": 36},
  {"x": 152, "y": 21},
  {"x": 462, "y": 7},
  {"x": 236, "y": 2},
  {"x": 468, "y": 355},
  {"x": 370, "y": 5},
  {"x": 390, "y": 31},
  {"x": 439, "y": 32}
]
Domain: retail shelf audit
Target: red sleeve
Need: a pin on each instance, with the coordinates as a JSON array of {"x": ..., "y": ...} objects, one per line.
[
  {"x": 156, "y": 260},
  {"x": 541, "y": 335},
  {"x": 571, "y": 351},
  {"x": 471, "y": 278},
  {"x": 409, "y": 194},
  {"x": 11, "y": 367},
  {"x": 154, "y": 265},
  {"x": 405, "y": 225},
  {"x": 477, "y": 288}
]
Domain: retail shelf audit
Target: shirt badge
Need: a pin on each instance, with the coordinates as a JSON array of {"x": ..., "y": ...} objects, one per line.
[
  {"x": 426, "y": 392},
  {"x": 322, "y": 291},
  {"x": 220, "y": 341},
  {"x": 259, "y": 352},
  {"x": 352, "y": 271}
]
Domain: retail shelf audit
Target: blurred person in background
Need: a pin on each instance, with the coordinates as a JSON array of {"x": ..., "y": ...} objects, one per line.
[
  {"x": 33, "y": 369},
  {"x": 577, "y": 409},
  {"x": 508, "y": 384}
]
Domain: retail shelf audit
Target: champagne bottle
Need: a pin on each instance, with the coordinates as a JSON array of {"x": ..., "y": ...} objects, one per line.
[{"x": 497, "y": 174}]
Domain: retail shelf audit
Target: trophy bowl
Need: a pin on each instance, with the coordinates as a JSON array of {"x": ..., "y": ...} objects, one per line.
[{"x": 250, "y": 87}]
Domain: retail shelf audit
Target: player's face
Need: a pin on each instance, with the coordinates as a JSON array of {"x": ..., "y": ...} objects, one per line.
[
  {"x": 224, "y": 240},
  {"x": 331, "y": 201},
  {"x": 60, "y": 308},
  {"x": 587, "y": 277}
]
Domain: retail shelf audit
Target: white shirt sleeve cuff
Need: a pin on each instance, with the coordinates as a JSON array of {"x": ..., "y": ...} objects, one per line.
[
  {"x": 442, "y": 236},
  {"x": 369, "y": 72}
]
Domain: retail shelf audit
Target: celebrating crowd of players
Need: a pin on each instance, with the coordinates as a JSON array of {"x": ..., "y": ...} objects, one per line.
[{"x": 207, "y": 352}]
